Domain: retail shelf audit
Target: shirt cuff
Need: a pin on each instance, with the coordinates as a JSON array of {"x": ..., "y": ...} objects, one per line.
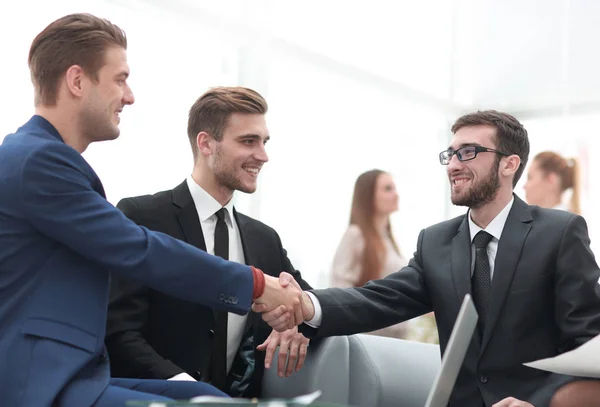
[
  {"x": 315, "y": 322},
  {"x": 259, "y": 283},
  {"x": 183, "y": 377}
]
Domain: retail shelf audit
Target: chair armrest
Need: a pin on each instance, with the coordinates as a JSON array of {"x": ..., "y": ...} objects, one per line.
[
  {"x": 326, "y": 368},
  {"x": 391, "y": 372}
]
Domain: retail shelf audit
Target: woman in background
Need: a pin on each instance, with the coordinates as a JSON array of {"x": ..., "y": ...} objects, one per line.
[
  {"x": 368, "y": 250},
  {"x": 549, "y": 177}
]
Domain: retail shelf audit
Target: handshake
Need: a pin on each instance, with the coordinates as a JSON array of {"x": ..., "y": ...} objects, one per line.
[{"x": 283, "y": 304}]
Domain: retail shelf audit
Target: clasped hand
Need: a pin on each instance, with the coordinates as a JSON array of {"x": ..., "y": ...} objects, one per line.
[{"x": 283, "y": 304}]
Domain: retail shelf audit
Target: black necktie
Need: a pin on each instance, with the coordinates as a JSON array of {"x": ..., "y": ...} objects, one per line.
[
  {"x": 219, "y": 349},
  {"x": 482, "y": 280}
]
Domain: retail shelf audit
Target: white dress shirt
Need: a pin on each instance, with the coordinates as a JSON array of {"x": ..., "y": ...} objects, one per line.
[
  {"x": 494, "y": 228},
  {"x": 347, "y": 262},
  {"x": 207, "y": 206},
  {"x": 561, "y": 207}
]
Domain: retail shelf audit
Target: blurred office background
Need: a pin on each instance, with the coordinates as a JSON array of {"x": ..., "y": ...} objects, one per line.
[{"x": 351, "y": 86}]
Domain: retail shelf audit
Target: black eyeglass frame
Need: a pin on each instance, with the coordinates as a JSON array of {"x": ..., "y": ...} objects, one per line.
[{"x": 446, "y": 155}]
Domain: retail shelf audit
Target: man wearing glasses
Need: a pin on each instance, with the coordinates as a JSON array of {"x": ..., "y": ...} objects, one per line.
[{"x": 530, "y": 271}]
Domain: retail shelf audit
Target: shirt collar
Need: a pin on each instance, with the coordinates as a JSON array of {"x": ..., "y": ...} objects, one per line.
[
  {"x": 496, "y": 226},
  {"x": 206, "y": 205},
  {"x": 561, "y": 207}
]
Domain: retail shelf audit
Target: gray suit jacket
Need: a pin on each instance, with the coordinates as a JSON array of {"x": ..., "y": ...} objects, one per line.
[{"x": 544, "y": 301}]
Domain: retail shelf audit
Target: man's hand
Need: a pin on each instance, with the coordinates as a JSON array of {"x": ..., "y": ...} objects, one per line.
[
  {"x": 288, "y": 341},
  {"x": 283, "y": 299},
  {"x": 512, "y": 402},
  {"x": 279, "y": 318}
]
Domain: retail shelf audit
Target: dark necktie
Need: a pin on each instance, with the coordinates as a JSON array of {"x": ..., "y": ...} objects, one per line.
[
  {"x": 219, "y": 349},
  {"x": 482, "y": 280}
]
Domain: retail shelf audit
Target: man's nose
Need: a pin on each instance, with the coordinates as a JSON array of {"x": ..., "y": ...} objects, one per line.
[
  {"x": 261, "y": 154},
  {"x": 454, "y": 163},
  {"x": 128, "y": 97}
]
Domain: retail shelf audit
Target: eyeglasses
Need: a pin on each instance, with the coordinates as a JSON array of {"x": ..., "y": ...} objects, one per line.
[{"x": 466, "y": 153}]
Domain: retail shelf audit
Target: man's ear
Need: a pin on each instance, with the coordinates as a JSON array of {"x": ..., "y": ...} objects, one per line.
[
  {"x": 74, "y": 79},
  {"x": 511, "y": 165},
  {"x": 205, "y": 143}
]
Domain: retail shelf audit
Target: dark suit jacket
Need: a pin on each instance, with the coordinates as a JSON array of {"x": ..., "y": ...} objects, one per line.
[
  {"x": 59, "y": 239},
  {"x": 544, "y": 301},
  {"x": 152, "y": 335}
]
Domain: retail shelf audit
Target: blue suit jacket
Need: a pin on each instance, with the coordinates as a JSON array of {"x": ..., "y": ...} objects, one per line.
[{"x": 59, "y": 242}]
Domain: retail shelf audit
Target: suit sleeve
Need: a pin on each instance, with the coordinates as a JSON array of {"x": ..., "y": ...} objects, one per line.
[
  {"x": 379, "y": 303},
  {"x": 60, "y": 201},
  {"x": 577, "y": 305},
  {"x": 128, "y": 314}
]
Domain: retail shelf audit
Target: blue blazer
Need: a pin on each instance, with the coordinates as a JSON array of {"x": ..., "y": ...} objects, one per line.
[{"x": 60, "y": 240}]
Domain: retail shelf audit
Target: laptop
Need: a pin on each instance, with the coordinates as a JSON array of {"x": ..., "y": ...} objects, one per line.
[{"x": 460, "y": 338}]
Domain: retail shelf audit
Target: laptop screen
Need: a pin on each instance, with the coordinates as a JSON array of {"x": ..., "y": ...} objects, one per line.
[{"x": 460, "y": 338}]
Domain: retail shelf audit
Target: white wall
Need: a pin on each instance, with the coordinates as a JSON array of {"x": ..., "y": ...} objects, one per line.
[{"x": 537, "y": 54}]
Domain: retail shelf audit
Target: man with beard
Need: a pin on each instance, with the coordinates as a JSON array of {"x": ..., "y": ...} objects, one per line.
[
  {"x": 530, "y": 271},
  {"x": 152, "y": 335}
]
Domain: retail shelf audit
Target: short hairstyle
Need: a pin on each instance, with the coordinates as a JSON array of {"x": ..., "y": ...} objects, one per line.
[
  {"x": 212, "y": 110},
  {"x": 76, "y": 39},
  {"x": 511, "y": 136}
]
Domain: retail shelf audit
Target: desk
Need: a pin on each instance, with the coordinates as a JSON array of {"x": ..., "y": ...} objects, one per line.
[{"x": 266, "y": 403}]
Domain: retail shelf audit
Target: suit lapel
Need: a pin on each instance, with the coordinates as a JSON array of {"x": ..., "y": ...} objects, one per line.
[
  {"x": 187, "y": 216},
  {"x": 250, "y": 246},
  {"x": 461, "y": 260},
  {"x": 510, "y": 246}
]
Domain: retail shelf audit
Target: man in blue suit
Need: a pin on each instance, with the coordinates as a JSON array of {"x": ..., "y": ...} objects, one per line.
[{"x": 60, "y": 239}]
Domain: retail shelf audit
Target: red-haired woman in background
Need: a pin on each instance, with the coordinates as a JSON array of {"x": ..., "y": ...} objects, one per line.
[
  {"x": 368, "y": 250},
  {"x": 549, "y": 177}
]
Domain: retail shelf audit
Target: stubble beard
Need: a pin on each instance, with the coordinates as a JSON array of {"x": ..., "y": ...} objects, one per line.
[
  {"x": 482, "y": 193},
  {"x": 97, "y": 126},
  {"x": 225, "y": 175}
]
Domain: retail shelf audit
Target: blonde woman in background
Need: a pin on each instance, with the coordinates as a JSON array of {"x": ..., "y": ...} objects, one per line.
[
  {"x": 550, "y": 175},
  {"x": 368, "y": 250}
]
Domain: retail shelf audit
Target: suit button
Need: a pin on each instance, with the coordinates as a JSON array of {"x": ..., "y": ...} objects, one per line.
[
  {"x": 197, "y": 375},
  {"x": 104, "y": 355},
  {"x": 483, "y": 379},
  {"x": 211, "y": 333}
]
